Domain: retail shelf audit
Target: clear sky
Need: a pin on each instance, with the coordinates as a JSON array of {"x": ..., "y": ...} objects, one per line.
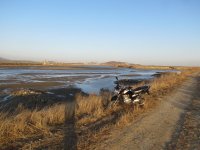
[{"x": 158, "y": 32}]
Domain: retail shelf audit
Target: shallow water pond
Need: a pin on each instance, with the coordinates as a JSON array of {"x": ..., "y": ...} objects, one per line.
[{"x": 90, "y": 79}]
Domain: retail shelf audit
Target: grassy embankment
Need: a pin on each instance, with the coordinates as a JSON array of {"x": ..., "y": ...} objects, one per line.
[{"x": 25, "y": 123}]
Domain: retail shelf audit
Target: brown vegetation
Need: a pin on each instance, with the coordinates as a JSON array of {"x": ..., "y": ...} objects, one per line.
[{"x": 24, "y": 123}]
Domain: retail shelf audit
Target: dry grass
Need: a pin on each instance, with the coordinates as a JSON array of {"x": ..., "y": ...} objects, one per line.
[
  {"x": 91, "y": 104},
  {"x": 92, "y": 108},
  {"x": 24, "y": 123},
  {"x": 160, "y": 87},
  {"x": 166, "y": 81}
]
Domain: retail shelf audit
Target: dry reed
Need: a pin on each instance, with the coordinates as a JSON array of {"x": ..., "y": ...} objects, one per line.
[{"x": 25, "y": 123}]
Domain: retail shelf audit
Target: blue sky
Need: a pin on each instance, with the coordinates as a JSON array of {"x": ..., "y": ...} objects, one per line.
[{"x": 158, "y": 32}]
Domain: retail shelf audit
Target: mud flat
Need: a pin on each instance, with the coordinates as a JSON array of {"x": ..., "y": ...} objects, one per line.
[
  {"x": 40, "y": 86},
  {"x": 89, "y": 79},
  {"x": 43, "y": 86}
]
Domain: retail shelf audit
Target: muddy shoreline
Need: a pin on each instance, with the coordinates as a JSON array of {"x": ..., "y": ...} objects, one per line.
[
  {"x": 43, "y": 78},
  {"x": 51, "y": 90}
]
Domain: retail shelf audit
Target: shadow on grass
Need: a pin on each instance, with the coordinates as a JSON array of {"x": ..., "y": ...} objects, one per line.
[
  {"x": 70, "y": 139},
  {"x": 39, "y": 101}
]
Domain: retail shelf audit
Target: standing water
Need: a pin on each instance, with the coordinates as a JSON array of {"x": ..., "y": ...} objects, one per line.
[{"x": 90, "y": 79}]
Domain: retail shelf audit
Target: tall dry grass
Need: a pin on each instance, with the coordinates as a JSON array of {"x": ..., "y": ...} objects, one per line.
[
  {"x": 91, "y": 104},
  {"x": 93, "y": 107},
  {"x": 89, "y": 108},
  {"x": 160, "y": 87},
  {"x": 24, "y": 123}
]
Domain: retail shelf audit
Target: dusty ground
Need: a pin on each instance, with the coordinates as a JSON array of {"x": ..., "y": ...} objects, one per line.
[
  {"x": 188, "y": 135},
  {"x": 174, "y": 124}
]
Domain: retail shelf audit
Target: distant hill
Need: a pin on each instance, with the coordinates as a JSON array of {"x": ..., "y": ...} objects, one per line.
[
  {"x": 121, "y": 64},
  {"x": 3, "y": 59},
  {"x": 115, "y": 63}
]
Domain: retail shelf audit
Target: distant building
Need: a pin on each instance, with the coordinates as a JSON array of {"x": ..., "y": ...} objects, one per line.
[{"x": 45, "y": 62}]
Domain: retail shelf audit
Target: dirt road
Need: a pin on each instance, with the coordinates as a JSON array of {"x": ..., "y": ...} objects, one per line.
[{"x": 163, "y": 127}]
